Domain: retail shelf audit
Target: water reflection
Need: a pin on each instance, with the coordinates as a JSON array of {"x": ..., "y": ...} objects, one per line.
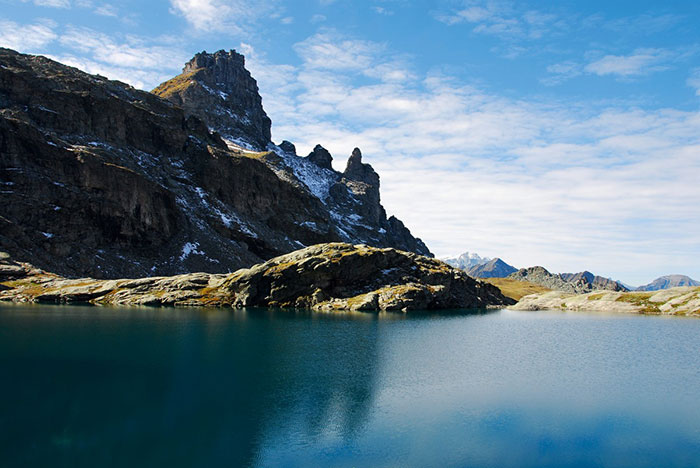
[
  {"x": 181, "y": 388},
  {"x": 156, "y": 387}
]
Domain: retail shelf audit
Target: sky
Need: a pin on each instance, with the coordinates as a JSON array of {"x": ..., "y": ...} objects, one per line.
[{"x": 557, "y": 133}]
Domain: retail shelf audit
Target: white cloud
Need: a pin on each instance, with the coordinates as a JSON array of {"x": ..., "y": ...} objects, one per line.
[
  {"x": 26, "y": 37},
  {"x": 318, "y": 19},
  {"x": 640, "y": 62},
  {"x": 227, "y": 16},
  {"x": 51, "y": 3},
  {"x": 132, "y": 52},
  {"x": 107, "y": 10},
  {"x": 570, "y": 185},
  {"x": 560, "y": 72},
  {"x": 287, "y": 20},
  {"x": 501, "y": 18}
]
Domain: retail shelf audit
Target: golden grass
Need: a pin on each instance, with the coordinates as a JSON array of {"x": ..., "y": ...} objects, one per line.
[
  {"x": 174, "y": 85},
  {"x": 515, "y": 289}
]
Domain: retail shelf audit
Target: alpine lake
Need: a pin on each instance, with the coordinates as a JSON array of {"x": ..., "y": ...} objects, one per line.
[{"x": 132, "y": 387}]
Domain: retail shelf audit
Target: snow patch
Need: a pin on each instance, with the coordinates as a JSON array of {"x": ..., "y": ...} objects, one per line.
[
  {"x": 190, "y": 248},
  {"x": 317, "y": 180}
]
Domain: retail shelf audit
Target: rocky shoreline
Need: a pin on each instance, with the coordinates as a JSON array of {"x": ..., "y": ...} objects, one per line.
[
  {"x": 682, "y": 301},
  {"x": 324, "y": 277}
]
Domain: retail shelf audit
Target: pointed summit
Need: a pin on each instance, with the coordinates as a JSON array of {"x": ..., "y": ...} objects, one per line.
[
  {"x": 219, "y": 90},
  {"x": 357, "y": 170}
]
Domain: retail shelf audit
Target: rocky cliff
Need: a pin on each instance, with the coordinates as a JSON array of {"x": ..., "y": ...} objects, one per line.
[
  {"x": 99, "y": 179},
  {"x": 325, "y": 277},
  {"x": 219, "y": 90}
]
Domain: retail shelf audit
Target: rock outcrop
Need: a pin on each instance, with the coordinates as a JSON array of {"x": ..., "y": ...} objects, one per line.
[
  {"x": 669, "y": 281},
  {"x": 495, "y": 268},
  {"x": 219, "y": 90},
  {"x": 324, "y": 277},
  {"x": 575, "y": 283},
  {"x": 596, "y": 282},
  {"x": 102, "y": 180},
  {"x": 683, "y": 301}
]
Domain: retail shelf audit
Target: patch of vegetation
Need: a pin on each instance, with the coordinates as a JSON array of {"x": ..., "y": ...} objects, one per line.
[
  {"x": 515, "y": 289},
  {"x": 595, "y": 297},
  {"x": 640, "y": 300},
  {"x": 175, "y": 85}
]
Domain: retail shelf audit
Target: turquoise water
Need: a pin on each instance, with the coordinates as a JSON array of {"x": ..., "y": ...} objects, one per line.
[{"x": 92, "y": 387}]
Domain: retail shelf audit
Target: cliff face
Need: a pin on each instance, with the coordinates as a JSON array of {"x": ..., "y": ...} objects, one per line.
[{"x": 99, "y": 179}]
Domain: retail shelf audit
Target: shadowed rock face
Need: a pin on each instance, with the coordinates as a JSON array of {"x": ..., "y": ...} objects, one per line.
[
  {"x": 324, "y": 277},
  {"x": 99, "y": 179}
]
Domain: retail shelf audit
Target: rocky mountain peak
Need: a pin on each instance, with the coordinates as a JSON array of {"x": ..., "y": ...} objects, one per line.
[
  {"x": 220, "y": 91},
  {"x": 359, "y": 171},
  {"x": 225, "y": 66},
  {"x": 321, "y": 157}
]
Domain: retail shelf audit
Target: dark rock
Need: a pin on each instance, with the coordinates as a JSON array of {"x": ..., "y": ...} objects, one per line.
[
  {"x": 321, "y": 157},
  {"x": 288, "y": 147}
]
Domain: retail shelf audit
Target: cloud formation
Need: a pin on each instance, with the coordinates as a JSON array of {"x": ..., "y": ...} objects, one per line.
[
  {"x": 640, "y": 62},
  {"x": 570, "y": 185},
  {"x": 227, "y": 16}
]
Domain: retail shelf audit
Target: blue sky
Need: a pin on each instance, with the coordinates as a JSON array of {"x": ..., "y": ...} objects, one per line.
[{"x": 560, "y": 133}]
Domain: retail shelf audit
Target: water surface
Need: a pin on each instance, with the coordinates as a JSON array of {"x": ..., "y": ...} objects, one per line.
[{"x": 87, "y": 387}]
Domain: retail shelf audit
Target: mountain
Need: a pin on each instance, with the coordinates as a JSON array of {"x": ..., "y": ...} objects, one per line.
[
  {"x": 465, "y": 261},
  {"x": 100, "y": 179},
  {"x": 596, "y": 282},
  {"x": 495, "y": 268},
  {"x": 667, "y": 282},
  {"x": 576, "y": 283}
]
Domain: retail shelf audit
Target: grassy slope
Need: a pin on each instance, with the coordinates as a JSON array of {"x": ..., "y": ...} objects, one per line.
[{"x": 515, "y": 289}]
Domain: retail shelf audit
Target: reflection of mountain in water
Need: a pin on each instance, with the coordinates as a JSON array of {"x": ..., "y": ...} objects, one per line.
[{"x": 182, "y": 389}]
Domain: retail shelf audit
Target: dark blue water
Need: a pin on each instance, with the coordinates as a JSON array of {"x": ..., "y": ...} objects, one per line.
[{"x": 91, "y": 387}]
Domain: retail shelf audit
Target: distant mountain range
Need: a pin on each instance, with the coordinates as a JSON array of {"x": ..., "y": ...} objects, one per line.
[
  {"x": 577, "y": 283},
  {"x": 495, "y": 268},
  {"x": 466, "y": 260},
  {"x": 669, "y": 281},
  {"x": 477, "y": 266}
]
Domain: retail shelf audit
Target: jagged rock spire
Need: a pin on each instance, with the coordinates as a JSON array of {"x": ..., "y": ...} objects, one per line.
[{"x": 357, "y": 170}]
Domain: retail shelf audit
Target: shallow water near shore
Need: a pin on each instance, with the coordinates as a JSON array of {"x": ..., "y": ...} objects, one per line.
[{"x": 85, "y": 386}]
